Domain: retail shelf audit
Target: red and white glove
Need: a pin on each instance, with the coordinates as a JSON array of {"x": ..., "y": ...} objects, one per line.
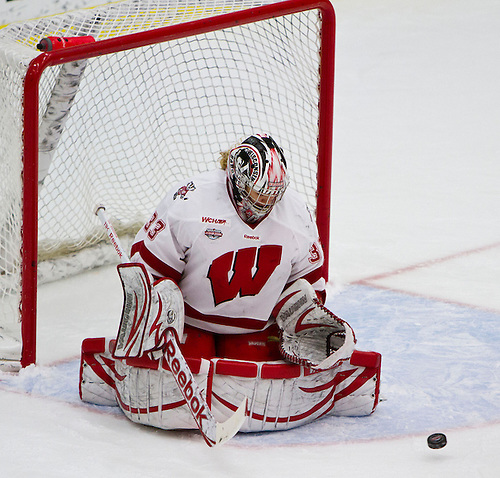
[{"x": 311, "y": 335}]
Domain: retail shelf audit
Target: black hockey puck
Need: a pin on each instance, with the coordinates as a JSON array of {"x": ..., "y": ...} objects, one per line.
[{"x": 436, "y": 440}]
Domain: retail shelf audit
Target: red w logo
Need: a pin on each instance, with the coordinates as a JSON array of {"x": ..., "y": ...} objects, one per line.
[{"x": 264, "y": 259}]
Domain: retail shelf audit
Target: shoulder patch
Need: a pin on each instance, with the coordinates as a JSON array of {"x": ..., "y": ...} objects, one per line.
[{"x": 183, "y": 190}]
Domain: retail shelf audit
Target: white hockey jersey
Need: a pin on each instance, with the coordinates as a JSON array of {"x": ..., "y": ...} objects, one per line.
[{"x": 230, "y": 273}]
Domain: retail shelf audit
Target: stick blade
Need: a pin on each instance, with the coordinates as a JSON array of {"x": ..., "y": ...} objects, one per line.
[{"x": 226, "y": 430}]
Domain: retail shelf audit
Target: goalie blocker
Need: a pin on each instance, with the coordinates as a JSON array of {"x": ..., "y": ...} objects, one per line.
[{"x": 328, "y": 377}]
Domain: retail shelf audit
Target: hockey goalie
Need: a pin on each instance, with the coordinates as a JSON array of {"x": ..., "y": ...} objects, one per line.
[{"x": 223, "y": 311}]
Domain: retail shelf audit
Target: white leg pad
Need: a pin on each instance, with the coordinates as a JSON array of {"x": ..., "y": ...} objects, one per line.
[{"x": 97, "y": 372}]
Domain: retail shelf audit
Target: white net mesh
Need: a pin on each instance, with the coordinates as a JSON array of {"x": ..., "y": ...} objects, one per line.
[{"x": 146, "y": 117}]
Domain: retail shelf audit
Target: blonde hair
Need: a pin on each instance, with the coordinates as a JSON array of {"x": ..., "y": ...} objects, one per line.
[
  {"x": 223, "y": 159},
  {"x": 224, "y": 156}
]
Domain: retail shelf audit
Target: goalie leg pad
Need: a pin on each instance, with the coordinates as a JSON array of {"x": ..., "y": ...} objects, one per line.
[
  {"x": 280, "y": 395},
  {"x": 311, "y": 335},
  {"x": 148, "y": 394},
  {"x": 358, "y": 394},
  {"x": 145, "y": 390},
  {"x": 97, "y": 372}
]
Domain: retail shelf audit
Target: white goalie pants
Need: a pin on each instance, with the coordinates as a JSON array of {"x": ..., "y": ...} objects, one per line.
[{"x": 280, "y": 395}]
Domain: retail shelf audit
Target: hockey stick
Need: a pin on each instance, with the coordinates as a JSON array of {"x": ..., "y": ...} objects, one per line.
[
  {"x": 113, "y": 237},
  {"x": 213, "y": 432}
]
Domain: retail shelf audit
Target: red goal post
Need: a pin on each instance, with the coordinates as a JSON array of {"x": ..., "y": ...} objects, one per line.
[{"x": 303, "y": 125}]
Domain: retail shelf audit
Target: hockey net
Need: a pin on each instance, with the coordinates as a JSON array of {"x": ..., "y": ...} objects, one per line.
[{"x": 165, "y": 87}]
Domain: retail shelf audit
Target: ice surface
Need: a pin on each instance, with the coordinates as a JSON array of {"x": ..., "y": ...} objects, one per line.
[{"x": 415, "y": 269}]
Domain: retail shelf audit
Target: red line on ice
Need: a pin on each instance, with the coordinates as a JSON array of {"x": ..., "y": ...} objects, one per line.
[{"x": 429, "y": 263}]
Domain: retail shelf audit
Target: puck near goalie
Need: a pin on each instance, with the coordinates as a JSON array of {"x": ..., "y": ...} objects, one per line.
[{"x": 231, "y": 264}]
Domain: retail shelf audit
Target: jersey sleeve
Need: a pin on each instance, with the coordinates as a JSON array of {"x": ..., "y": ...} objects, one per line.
[
  {"x": 310, "y": 257},
  {"x": 157, "y": 244}
]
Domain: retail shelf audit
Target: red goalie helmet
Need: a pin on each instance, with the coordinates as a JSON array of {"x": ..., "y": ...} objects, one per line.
[{"x": 257, "y": 177}]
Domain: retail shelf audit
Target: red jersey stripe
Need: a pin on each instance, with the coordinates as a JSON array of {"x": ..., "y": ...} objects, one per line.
[
  {"x": 163, "y": 270},
  {"x": 239, "y": 322}
]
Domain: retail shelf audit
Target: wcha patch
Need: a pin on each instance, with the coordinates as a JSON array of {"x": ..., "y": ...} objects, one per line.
[{"x": 216, "y": 221}]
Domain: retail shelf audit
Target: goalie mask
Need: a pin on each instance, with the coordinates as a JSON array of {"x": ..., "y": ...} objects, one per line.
[{"x": 257, "y": 177}]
